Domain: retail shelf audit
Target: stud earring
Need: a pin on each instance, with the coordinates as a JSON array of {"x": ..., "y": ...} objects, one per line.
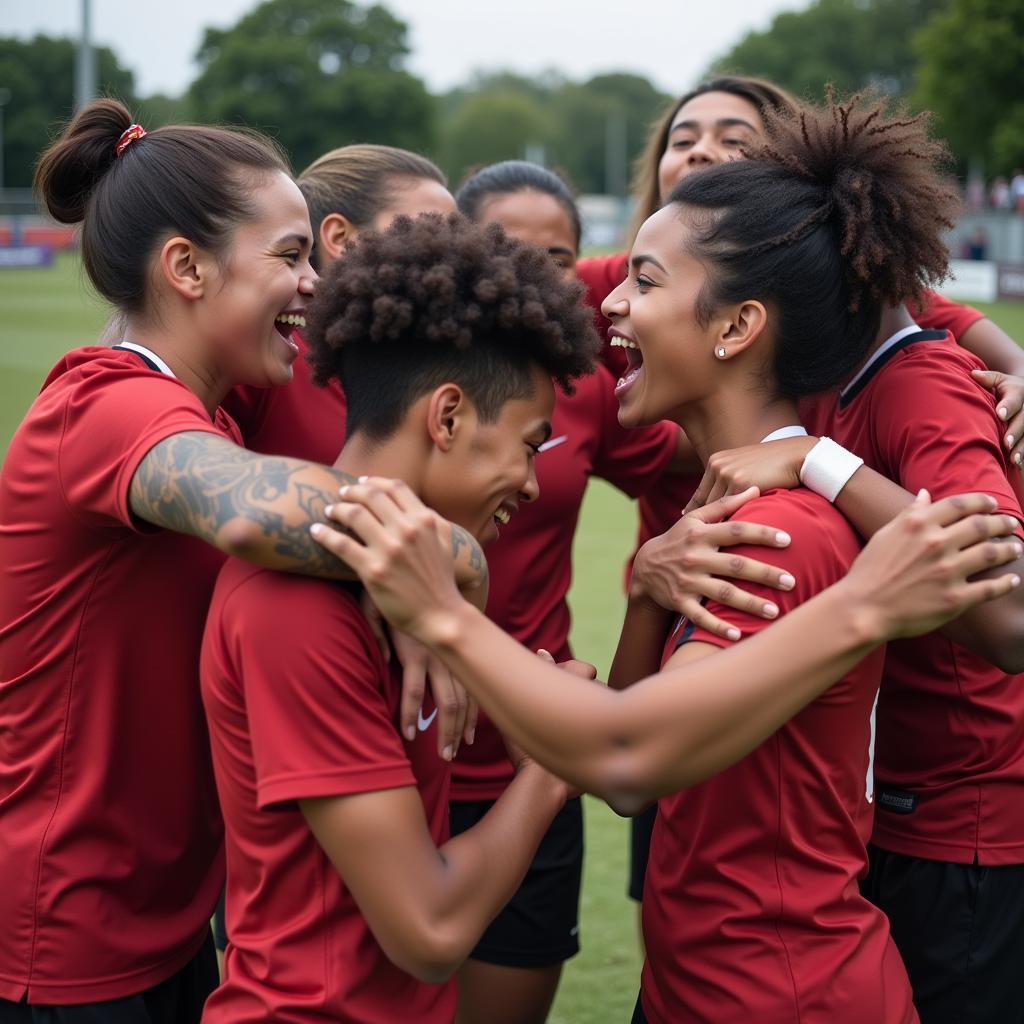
[{"x": 720, "y": 352}]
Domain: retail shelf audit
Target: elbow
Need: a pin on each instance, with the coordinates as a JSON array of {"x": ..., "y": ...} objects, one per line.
[
  {"x": 625, "y": 782},
  {"x": 242, "y": 538},
  {"x": 430, "y": 954}
]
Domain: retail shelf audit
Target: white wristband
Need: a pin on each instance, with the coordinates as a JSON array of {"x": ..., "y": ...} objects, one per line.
[{"x": 827, "y": 468}]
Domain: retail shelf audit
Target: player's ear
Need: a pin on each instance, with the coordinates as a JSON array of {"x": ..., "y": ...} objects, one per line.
[
  {"x": 336, "y": 232},
  {"x": 185, "y": 267},
  {"x": 740, "y": 327},
  {"x": 446, "y": 414}
]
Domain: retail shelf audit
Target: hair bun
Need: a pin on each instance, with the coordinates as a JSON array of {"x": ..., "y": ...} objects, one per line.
[{"x": 69, "y": 170}]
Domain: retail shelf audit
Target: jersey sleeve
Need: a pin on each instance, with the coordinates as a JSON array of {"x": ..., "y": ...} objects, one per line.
[
  {"x": 632, "y": 459},
  {"x": 935, "y": 427},
  {"x": 319, "y": 719},
  {"x": 110, "y": 423},
  {"x": 942, "y": 314},
  {"x": 822, "y": 547}
]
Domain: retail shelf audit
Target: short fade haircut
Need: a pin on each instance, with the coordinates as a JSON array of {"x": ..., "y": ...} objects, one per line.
[{"x": 439, "y": 299}]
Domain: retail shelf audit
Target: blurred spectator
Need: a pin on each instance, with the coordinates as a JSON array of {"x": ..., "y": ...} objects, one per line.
[
  {"x": 976, "y": 247},
  {"x": 1017, "y": 190},
  {"x": 999, "y": 195},
  {"x": 975, "y": 192}
]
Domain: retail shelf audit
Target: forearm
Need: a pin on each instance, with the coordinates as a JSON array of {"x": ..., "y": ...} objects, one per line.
[
  {"x": 994, "y": 631},
  {"x": 639, "y": 651},
  {"x": 668, "y": 731},
  {"x": 255, "y": 507},
  {"x": 994, "y": 347},
  {"x": 485, "y": 865},
  {"x": 870, "y": 501}
]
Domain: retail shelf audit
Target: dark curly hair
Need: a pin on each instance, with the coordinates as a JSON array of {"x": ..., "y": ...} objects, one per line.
[
  {"x": 440, "y": 299},
  {"x": 839, "y": 214}
]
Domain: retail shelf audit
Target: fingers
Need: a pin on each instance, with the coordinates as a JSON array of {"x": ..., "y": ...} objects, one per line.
[
  {"x": 345, "y": 548},
  {"x": 737, "y": 532},
  {"x": 959, "y": 506},
  {"x": 984, "y": 555},
  {"x": 976, "y": 528},
  {"x": 987, "y": 590},
  {"x": 737, "y": 567},
  {"x": 452, "y": 705},
  {"x": 414, "y": 685},
  {"x": 1014, "y": 437},
  {"x": 580, "y": 669},
  {"x": 988, "y": 379},
  {"x": 724, "y": 507},
  {"x": 472, "y": 716},
  {"x": 700, "y": 495},
  {"x": 703, "y": 619}
]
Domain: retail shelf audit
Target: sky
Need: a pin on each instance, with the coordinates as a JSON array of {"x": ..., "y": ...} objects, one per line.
[{"x": 670, "y": 41}]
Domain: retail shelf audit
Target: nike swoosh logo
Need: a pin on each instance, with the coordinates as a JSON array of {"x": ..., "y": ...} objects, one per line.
[
  {"x": 553, "y": 443},
  {"x": 423, "y": 724}
]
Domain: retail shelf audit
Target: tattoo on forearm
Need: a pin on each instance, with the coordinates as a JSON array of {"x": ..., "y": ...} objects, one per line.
[{"x": 198, "y": 483}]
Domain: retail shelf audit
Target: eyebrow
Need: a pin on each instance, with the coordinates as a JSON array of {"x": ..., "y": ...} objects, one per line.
[
  {"x": 294, "y": 236},
  {"x": 723, "y": 122},
  {"x": 560, "y": 250},
  {"x": 642, "y": 258}
]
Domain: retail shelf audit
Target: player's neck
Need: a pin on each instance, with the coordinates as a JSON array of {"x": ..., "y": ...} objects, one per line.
[
  {"x": 394, "y": 458},
  {"x": 894, "y": 318},
  {"x": 186, "y": 365},
  {"x": 734, "y": 420}
]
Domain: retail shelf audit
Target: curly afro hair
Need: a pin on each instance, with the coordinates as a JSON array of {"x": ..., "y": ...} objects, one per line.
[
  {"x": 440, "y": 299},
  {"x": 840, "y": 213}
]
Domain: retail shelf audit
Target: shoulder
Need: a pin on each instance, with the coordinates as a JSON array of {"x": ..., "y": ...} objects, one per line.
[
  {"x": 822, "y": 545},
  {"x": 944, "y": 314}
]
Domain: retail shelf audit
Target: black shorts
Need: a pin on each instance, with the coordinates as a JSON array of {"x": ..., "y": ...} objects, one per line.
[
  {"x": 178, "y": 1000},
  {"x": 638, "y": 1013},
  {"x": 960, "y": 931},
  {"x": 640, "y": 829},
  {"x": 539, "y": 926}
]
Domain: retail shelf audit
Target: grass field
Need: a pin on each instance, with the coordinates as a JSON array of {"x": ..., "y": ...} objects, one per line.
[{"x": 47, "y": 312}]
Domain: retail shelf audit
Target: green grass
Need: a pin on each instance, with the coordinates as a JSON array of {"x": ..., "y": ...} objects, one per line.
[{"x": 50, "y": 311}]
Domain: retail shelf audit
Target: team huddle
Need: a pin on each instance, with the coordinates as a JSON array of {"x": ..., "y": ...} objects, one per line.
[{"x": 284, "y": 633}]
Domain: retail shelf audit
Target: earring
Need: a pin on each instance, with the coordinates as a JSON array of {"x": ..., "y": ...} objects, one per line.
[{"x": 720, "y": 352}]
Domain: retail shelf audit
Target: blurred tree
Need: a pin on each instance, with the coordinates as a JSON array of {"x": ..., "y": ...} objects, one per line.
[
  {"x": 851, "y": 43},
  {"x": 492, "y": 125},
  {"x": 972, "y": 76},
  {"x": 40, "y": 74},
  {"x": 590, "y": 130},
  {"x": 316, "y": 74},
  {"x": 602, "y": 126}
]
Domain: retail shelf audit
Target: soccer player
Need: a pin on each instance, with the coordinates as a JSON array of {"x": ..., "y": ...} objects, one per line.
[
  {"x": 513, "y": 973},
  {"x": 348, "y": 190},
  {"x": 717, "y": 122},
  {"x": 947, "y": 855},
  {"x": 346, "y": 899},
  {"x": 745, "y": 291},
  {"x": 120, "y": 493}
]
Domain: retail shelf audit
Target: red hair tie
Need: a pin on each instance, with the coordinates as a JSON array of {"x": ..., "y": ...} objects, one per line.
[{"x": 128, "y": 136}]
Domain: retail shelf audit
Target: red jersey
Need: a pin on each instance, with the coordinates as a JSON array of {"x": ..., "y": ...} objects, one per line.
[
  {"x": 297, "y": 419},
  {"x": 110, "y": 847},
  {"x": 751, "y": 908},
  {"x": 531, "y": 562},
  {"x": 314, "y": 717},
  {"x": 950, "y": 764},
  {"x": 660, "y": 509}
]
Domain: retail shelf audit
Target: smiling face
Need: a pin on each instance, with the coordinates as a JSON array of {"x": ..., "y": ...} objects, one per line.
[
  {"x": 710, "y": 129},
  {"x": 260, "y": 288},
  {"x": 537, "y": 218},
  {"x": 654, "y": 317},
  {"x": 485, "y": 474}
]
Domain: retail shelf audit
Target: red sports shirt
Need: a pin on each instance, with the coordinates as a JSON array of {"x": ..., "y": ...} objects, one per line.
[
  {"x": 301, "y": 703},
  {"x": 531, "y": 562},
  {"x": 660, "y": 509},
  {"x": 950, "y": 762},
  {"x": 297, "y": 419},
  {"x": 751, "y": 907},
  {"x": 110, "y": 835}
]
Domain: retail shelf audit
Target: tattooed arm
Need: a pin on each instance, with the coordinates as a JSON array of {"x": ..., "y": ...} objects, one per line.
[{"x": 259, "y": 507}]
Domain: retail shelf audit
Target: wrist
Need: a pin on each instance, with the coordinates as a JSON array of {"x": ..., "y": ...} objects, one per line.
[
  {"x": 547, "y": 787},
  {"x": 827, "y": 468},
  {"x": 861, "y": 615}
]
